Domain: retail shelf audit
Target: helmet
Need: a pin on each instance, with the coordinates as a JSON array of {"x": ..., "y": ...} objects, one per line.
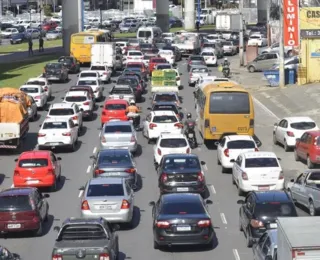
[
  {"x": 132, "y": 102},
  {"x": 189, "y": 115},
  {"x": 225, "y": 59}
]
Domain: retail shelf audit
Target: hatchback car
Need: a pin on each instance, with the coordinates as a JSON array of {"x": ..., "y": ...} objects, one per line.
[
  {"x": 195, "y": 60},
  {"x": 83, "y": 100},
  {"x": 23, "y": 209},
  {"x": 37, "y": 169},
  {"x": 134, "y": 82},
  {"x": 95, "y": 84},
  {"x": 70, "y": 63},
  {"x": 263, "y": 62},
  {"x": 44, "y": 83},
  {"x": 133, "y": 55},
  {"x": 38, "y": 94},
  {"x": 122, "y": 92},
  {"x": 210, "y": 57},
  {"x": 119, "y": 134},
  {"x": 196, "y": 72},
  {"x": 104, "y": 72},
  {"x": 229, "y": 47},
  {"x": 166, "y": 97},
  {"x": 260, "y": 211},
  {"x": 56, "y": 72},
  {"x": 181, "y": 219},
  {"x": 167, "y": 106},
  {"x": 114, "y": 109},
  {"x": 108, "y": 198},
  {"x": 84, "y": 88}
]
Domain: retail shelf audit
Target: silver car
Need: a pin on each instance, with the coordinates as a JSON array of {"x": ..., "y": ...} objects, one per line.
[
  {"x": 119, "y": 134},
  {"x": 124, "y": 92},
  {"x": 267, "y": 245},
  {"x": 53, "y": 35},
  {"x": 33, "y": 110},
  {"x": 109, "y": 198},
  {"x": 196, "y": 72}
]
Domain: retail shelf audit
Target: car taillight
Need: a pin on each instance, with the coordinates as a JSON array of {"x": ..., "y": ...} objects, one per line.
[
  {"x": 47, "y": 117},
  {"x": 251, "y": 123},
  {"x": 188, "y": 150},
  {"x": 50, "y": 172},
  {"x": 226, "y": 152},
  {"x": 98, "y": 171},
  {"x": 66, "y": 134},
  {"x": 178, "y": 78},
  {"x": 164, "y": 177},
  {"x": 200, "y": 177},
  {"x": 104, "y": 113},
  {"x": 162, "y": 224},
  {"x": 41, "y": 135},
  {"x": 45, "y": 89},
  {"x": 256, "y": 149},
  {"x": 85, "y": 205},
  {"x": 104, "y": 256},
  {"x": 37, "y": 97},
  {"x": 131, "y": 170},
  {"x": 190, "y": 75},
  {"x": 281, "y": 175},
  {"x": 152, "y": 125},
  {"x": 179, "y": 125},
  {"x": 125, "y": 204},
  {"x": 57, "y": 257},
  {"x": 86, "y": 103},
  {"x": 133, "y": 139},
  {"x": 16, "y": 173},
  {"x": 256, "y": 223},
  {"x": 244, "y": 176},
  {"x": 105, "y": 73},
  {"x": 204, "y": 223},
  {"x": 159, "y": 151},
  {"x": 291, "y": 134},
  {"x": 75, "y": 118},
  {"x": 103, "y": 139}
]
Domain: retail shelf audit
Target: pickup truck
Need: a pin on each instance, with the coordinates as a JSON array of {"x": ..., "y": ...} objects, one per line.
[
  {"x": 305, "y": 190},
  {"x": 124, "y": 92}
]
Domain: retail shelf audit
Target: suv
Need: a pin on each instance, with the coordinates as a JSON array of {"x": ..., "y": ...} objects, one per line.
[
  {"x": 86, "y": 238},
  {"x": 83, "y": 100},
  {"x": 23, "y": 209},
  {"x": 263, "y": 62}
]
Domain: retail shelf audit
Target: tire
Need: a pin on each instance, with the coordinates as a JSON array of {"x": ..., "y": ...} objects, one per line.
[
  {"x": 296, "y": 156},
  {"x": 39, "y": 231},
  {"x": 35, "y": 116},
  {"x": 218, "y": 162},
  {"x": 240, "y": 226},
  {"x": 312, "y": 210},
  {"x": 155, "y": 245},
  {"x": 74, "y": 146},
  {"x": 275, "y": 142},
  {"x": 310, "y": 165},
  {"x": 224, "y": 170},
  {"x": 53, "y": 188},
  {"x": 240, "y": 192},
  {"x": 286, "y": 147},
  {"x": 248, "y": 239},
  {"x": 251, "y": 69}
]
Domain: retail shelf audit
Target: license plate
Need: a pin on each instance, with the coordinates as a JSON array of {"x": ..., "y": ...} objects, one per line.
[
  {"x": 33, "y": 182},
  {"x": 273, "y": 225},
  {"x": 264, "y": 188},
  {"x": 182, "y": 189},
  {"x": 190, "y": 135},
  {"x": 13, "y": 226},
  {"x": 184, "y": 228},
  {"x": 114, "y": 174},
  {"x": 104, "y": 207},
  {"x": 54, "y": 144}
]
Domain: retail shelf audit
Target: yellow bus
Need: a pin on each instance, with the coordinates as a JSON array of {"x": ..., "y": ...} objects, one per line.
[
  {"x": 80, "y": 46},
  {"x": 222, "y": 109}
]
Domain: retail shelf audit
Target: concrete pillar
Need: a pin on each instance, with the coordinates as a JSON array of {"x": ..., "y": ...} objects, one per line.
[
  {"x": 189, "y": 14},
  {"x": 162, "y": 14},
  {"x": 72, "y": 16}
]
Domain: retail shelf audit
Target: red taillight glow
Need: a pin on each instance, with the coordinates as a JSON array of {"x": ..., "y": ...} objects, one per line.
[
  {"x": 131, "y": 170},
  {"x": 85, "y": 205},
  {"x": 152, "y": 125},
  {"x": 159, "y": 151},
  {"x": 104, "y": 256},
  {"x": 75, "y": 118},
  {"x": 179, "y": 125},
  {"x": 133, "y": 139},
  {"x": 125, "y": 204},
  {"x": 37, "y": 97},
  {"x": 291, "y": 134},
  {"x": 226, "y": 152},
  {"x": 204, "y": 223},
  {"x": 16, "y": 173},
  {"x": 104, "y": 113},
  {"x": 162, "y": 224},
  {"x": 103, "y": 139},
  {"x": 188, "y": 150},
  {"x": 256, "y": 223},
  {"x": 244, "y": 176},
  {"x": 46, "y": 89},
  {"x": 66, "y": 134},
  {"x": 50, "y": 172},
  {"x": 281, "y": 175},
  {"x": 98, "y": 171},
  {"x": 41, "y": 135},
  {"x": 164, "y": 177},
  {"x": 86, "y": 103},
  {"x": 57, "y": 257},
  {"x": 200, "y": 177}
]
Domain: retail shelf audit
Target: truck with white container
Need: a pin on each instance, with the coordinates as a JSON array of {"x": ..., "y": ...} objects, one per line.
[
  {"x": 298, "y": 238},
  {"x": 104, "y": 54},
  {"x": 227, "y": 22},
  {"x": 187, "y": 43}
]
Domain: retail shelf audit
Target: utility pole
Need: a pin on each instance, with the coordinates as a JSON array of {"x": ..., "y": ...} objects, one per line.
[
  {"x": 241, "y": 53},
  {"x": 129, "y": 4},
  {"x": 281, "y": 49},
  {"x": 268, "y": 22}
]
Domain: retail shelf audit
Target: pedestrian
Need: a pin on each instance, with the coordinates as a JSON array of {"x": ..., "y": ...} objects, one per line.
[
  {"x": 30, "y": 43},
  {"x": 41, "y": 49},
  {"x": 198, "y": 26}
]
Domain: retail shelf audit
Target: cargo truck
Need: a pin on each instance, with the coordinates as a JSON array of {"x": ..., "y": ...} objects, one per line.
[
  {"x": 104, "y": 54},
  {"x": 298, "y": 238},
  {"x": 227, "y": 22}
]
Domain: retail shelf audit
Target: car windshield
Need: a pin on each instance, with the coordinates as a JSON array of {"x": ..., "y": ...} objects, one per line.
[
  {"x": 255, "y": 37},
  {"x": 303, "y": 125},
  {"x": 241, "y": 144},
  {"x": 181, "y": 164},
  {"x": 53, "y": 32},
  {"x": 30, "y": 90},
  {"x": 87, "y": 82},
  {"x": 212, "y": 37},
  {"x": 209, "y": 45},
  {"x": 61, "y": 112},
  {"x": 80, "y": 232},
  {"x": 55, "y": 125},
  {"x": 126, "y": 25},
  {"x": 202, "y": 70},
  {"x": 65, "y": 60},
  {"x": 165, "y": 108},
  {"x": 195, "y": 58},
  {"x": 135, "y": 53},
  {"x": 225, "y": 43},
  {"x": 98, "y": 190},
  {"x": 116, "y": 129},
  {"x": 126, "y": 81},
  {"x": 36, "y": 82},
  {"x": 177, "y": 208},
  {"x": 15, "y": 203},
  {"x": 32, "y": 163},
  {"x": 173, "y": 143},
  {"x": 165, "y": 97},
  {"x": 261, "y": 162},
  {"x": 165, "y": 119},
  {"x": 117, "y": 159},
  {"x": 88, "y": 75},
  {"x": 98, "y": 68},
  {"x": 115, "y": 107},
  {"x": 76, "y": 98},
  {"x": 275, "y": 209},
  {"x": 54, "y": 66}
]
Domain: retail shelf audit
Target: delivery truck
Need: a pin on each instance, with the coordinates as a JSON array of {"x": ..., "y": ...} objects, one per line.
[
  {"x": 298, "y": 238},
  {"x": 104, "y": 54},
  {"x": 227, "y": 22}
]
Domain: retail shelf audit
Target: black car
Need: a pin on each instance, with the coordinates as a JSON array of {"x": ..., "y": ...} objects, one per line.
[
  {"x": 167, "y": 106},
  {"x": 5, "y": 254},
  {"x": 137, "y": 73},
  {"x": 70, "y": 63},
  {"x": 145, "y": 46},
  {"x": 260, "y": 210},
  {"x": 181, "y": 173},
  {"x": 56, "y": 72},
  {"x": 175, "y": 50},
  {"x": 133, "y": 82},
  {"x": 182, "y": 219}
]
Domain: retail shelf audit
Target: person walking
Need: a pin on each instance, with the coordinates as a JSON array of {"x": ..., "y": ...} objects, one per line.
[
  {"x": 30, "y": 43},
  {"x": 41, "y": 41},
  {"x": 198, "y": 25}
]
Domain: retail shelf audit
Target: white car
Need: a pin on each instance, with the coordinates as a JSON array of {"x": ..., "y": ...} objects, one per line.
[
  {"x": 9, "y": 32},
  {"x": 123, "y": 46},
  {"x": 44, "y": 83},
  {"x": 133, "y": 56},
  {"x": 169, "y": 144},
  {"x": 38, "y": 94},
  {"x": 168, "y": 36},
  {"x": 104, "y": 72},
  {"x": 231, "y": 146},
  {"x": 66, "y": 110},
  {"x": 33, "y": 33},
  {"x": 210, "y": 57},
  {"x": 88, "y": 74},
  {"x": 290, "y": 128},
  {"x": 95, "y": 84},
  {"x": 212, "y": 38},
  {"x": 258, "y": 39},
  {"x": 83, "y": 100},
  {"x": 257, "y": 171},
  {"x": 168, "y": 55},
  {"x": 158, "y": 122},
  {"x": 58, "y": 132},
  {"x": 178, "y": 79}
]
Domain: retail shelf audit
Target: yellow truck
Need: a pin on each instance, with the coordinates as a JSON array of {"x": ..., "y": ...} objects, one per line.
[{"x": 164, "y": 81}]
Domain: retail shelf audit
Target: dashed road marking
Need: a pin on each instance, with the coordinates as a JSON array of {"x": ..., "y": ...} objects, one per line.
[
  {"x": 205, "y": 167},
  {"x": 89, "y": 169},
  {"x": 94, "y": 150},
  {"x": 80, "y": 193},
  {"x": 213, "y": 190},
  {"x": 223, "y": 218},
  {"x": 267, "y": 110},
  {"x": 236, "y": 254}
]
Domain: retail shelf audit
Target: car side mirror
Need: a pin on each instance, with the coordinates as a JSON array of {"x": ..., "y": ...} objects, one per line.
[
  {"x": 279, "y": 159},
  {"x": 152, "y": 203},
  {"x": 78, "y": 76},
  {"x": 16, "y": 159},
  {"x": 46, "y": 196},
  {"x": 209, "y": 202},
  {"x": 298, "y": 140},
  {"x": 240, "y": 202},
  {"x": 149, "y": 108},
  {"x": 115, "y": 227},
  {"x": 203, "y": 163},
  {"x": 275, "y": 124},
  {"x": 81, "y": 109},
  {"x": 92, "y": 157},
  {"x": 81, "y": 188},
  {"x": 40, "y": 125},
  {"x": 59, "y": 158},
  {"x": 232, "y": 160},
  {"x": 76, "y": 125},
  {"x": 62, "y": 98},
  {"x": 56, "y": 228}
]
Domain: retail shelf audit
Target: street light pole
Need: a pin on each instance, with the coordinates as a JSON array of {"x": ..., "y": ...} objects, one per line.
[
  {"x": 241, "y": 43},
  {"x": 281, "y": 49}
]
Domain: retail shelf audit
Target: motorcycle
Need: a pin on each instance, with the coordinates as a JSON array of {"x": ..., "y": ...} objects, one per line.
[
  {"x": 134, "y": 119},
  {"x": 226, "y": 71},
  {"x": 191, "y": 135}
]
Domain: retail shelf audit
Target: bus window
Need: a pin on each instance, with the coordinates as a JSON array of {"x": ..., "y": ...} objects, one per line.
[{"x": 229, "y": 103}]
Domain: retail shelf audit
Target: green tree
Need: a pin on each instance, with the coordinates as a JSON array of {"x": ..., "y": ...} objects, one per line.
[
  {"x": 274, "y": 12},
  {"x": 47, "y": 10}
]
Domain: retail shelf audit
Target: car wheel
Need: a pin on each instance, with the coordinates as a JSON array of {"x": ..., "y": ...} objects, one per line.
[
  {"x": 39, "y": 231},
  {"x": 218, "y": 161},
  {"x": 233, "y": 181},
  {"x": 155, "y": 245},
  {"x": 240, "y": 192},
  {"x": 240, "y": 225},
  {"x": 310, "y": 165},
  {"x": 73, "y": 146},
  {"x": 251, "y": 69},
  {"x": 248, "y": 239},
  {"x": 35, "y": 116},
  {"x": 224, "y": 170},
  {"x": 286, "y": 146},
  {"x": 53, "y": 188},
  {"x": 296, "y": 156},
  {"x": 312, "y": 210},
  {"x": 275, "y": 142}
]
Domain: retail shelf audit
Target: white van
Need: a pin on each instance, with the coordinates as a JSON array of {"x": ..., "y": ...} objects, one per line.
[{"x": 149, "y": 34}]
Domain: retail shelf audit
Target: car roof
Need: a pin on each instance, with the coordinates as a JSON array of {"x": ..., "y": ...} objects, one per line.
[
  {"x": 259, "y": 154},
  {"x": 95, "y": 181},
  {"x": 31, "y": 86},
  {"x": 165, "y": 93},
  {"x": 181, "y": 155},
  {"x": 56, "y": 119},
  {"x": 37, "y": 79},
  {"x": 118, "y": 123},
  {"x": 239, "y": 137},
  {"x": 116, "y": 101},
  {"x": 82, "y": 221},
  {"x": 296, "y": 119},
  {"x": 180, "y": 197},
  {"x": 171, "y": 136},
  {"x": 62, "y": 105},
  {"x": 76, "y": 93},
  {"x": 87, "y": 71},
  {"x": 34, "y": 154},
  {"x": 89, "y": 78},
  {"x": 163, "y": 113},
  {"x": 16, "y": 191},
  {"x": 271, "y": 196}
]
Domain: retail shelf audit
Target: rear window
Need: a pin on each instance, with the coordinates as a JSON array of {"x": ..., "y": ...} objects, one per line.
[
  {"x": 15, "y": 203},
  {"x": 177, "y": 208},
  {"x": 159, "y": 61},
  {"x": 126, "y": 81},
  {"x": 209, "y": 45},
  {"x": 135, "y": 53},
  {"x": 121, "y": 91},
  {"x": 54, "y": 66},
  {"x": 115, "y": 159},
  {"x": 241, "y": 144},
  {"x": 146, "y": 57},
  {"x": 115, "y": 107},
  {"x": 134, "y": 65},
  {"x": 165, "y": 108},
  {"x": 194, "y": 58},
  {"x": 105, "y": 190},
  {"x": 207, "y": 54},
  {"x": 82, "y": 232},
  {"x": 275, "y": 209},
  {"x": 33, "y": 163},
  {"x": 76, "y": 98},
  {"x": 87, "y": 82},
  {"x": 303, "y": 125},
  {"x": 261, "y": 162},
  {"x": 163, "y": 67},
  {"x": 165, "y": 97},
  {"x": 88, "y": 75},
  {"x": 229, "y": 103},
  {"x": 173, "y": 143},
  {"x": 165, "y": 119},
  {"x": 30, "y": 90},
  {"x": 181, "y": 164},
  {"x": 36, "y": 82},
  {"x": 61, "y": 112},
  {"x": 118, "y": 129},
  {"x": 202, "y": 70},
  {"x": 97, "y": 68},
  {"x": 145, "y": 45},
  {"x": 226, "y": 43},
  {"x": 55, "y": 125}
]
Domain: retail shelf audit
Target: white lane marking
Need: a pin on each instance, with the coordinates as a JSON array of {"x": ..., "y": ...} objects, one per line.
[
  {"x": 236, "y": 254},
  {"x": 89, "y": 169},
  {"x": 100, "y": 134},
  {"x": 12, "y": 186},
  {"x": 40, "y": 76},
  {"x": 80, "y": 193},
  {"x": 213, "y": 189},
  {"x": 94, "y": 150},
  {"x": 185, "y": 109},
  {"x": 267, "y": 110},
  {"x": 205, "y": 167},
  {"x": 223, "y": 218}
]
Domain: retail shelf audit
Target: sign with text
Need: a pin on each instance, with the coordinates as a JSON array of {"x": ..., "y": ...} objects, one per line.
[
  {"x": 291, "y": 22},
  {"x": 310, "y": 18}
]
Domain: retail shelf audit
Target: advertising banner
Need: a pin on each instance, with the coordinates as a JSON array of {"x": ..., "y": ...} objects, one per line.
[
  {"x": 291, "y": 22},
  {"x": 310, "y": 22}
]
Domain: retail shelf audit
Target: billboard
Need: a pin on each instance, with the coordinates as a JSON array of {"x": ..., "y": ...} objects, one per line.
[
  {"x": 310, "y": 18},
  {"x": 291, "y": 23}
]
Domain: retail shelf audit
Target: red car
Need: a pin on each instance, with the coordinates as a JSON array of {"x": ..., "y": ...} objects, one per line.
[
  {"x": 114, "y": 109},
  {"x": 308, "y": 148},
  {"x": 153, "y": 62},
  {"x": 139, "y": 65},
  {"x": 37, "y": 169},
  {"x": 49, "y": 26},
  {"x": 23, "y": 209}
]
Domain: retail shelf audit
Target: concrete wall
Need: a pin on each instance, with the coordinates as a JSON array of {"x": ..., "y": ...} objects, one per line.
[
  {"x": 189, "y": 14},
  {"x": 262, "y": 10},
  {"x": 162, "y": 14}
]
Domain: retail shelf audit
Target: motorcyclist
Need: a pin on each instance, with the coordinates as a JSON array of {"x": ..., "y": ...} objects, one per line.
[
  {"x": 226, "y": 66},
  {"x": 188, "y": 121},
  {"x": 133, "y": 109}
]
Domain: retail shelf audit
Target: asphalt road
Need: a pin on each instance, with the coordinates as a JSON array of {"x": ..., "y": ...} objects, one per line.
[{"x": 137, "y": 244}]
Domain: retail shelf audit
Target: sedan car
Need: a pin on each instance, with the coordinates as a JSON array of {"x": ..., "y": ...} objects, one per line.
[
  {"x": 128, "y": 28},
  {"x": 165, "y": 97},
  {"x": 119, "y": 134},
  {"x": 258, "y": 40},
  {"x": 124, "y": 92},
  {"x": 167, "y": 106},
  {"x": 38, "y": 94},
  {"x": 70, "y": 63},
  {"x": 53, "y": 35},
  {"x": 104, "y": 72},
  {"x": 196, "y": 72},
  {"x": 181, "y": 219},
  {"x": 134, "y": 82},
  {"x": 260, "y": 211},
  {"x": 56, "y": 72},
  {"x": 195, "y": 60},
  {"x": 210, "y": 57},
  {"x": 44, "y": 83},
  {"x": 108, "y": 198},
  {"x": 114, "y": 109},
  {"x": 37, "y": 169},
  {"x": 83, "y": 100}
]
